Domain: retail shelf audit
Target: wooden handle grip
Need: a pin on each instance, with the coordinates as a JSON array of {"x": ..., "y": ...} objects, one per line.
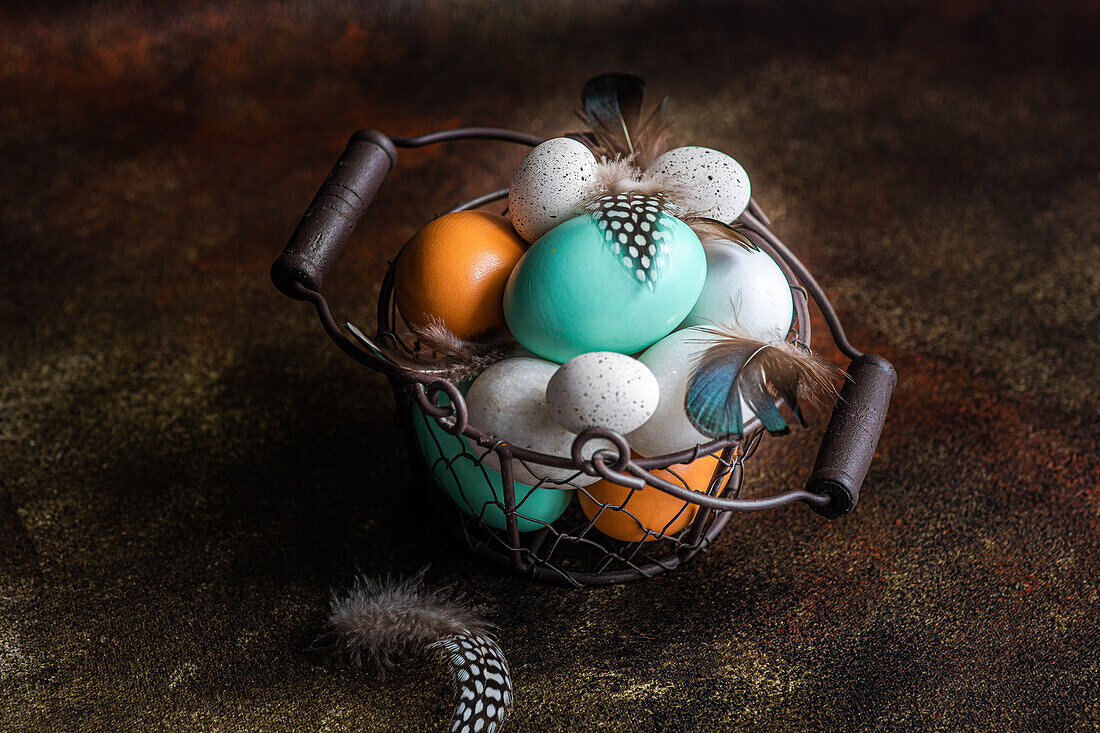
[
  {"x": 852, "y": 435},
  {"x": 331, "y": 218}
]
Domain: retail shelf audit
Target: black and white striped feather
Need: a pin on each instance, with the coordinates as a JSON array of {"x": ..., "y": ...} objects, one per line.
[{"x": 379, "y": 621}]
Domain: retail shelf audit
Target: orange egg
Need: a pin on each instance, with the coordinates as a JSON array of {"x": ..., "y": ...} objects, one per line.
[
  {"x": 652, "y": 509},
  {"x": 454, "y": 271}
]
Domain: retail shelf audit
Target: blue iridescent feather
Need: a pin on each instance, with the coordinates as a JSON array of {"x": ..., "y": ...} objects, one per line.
[{"x": 735, "y": 368}]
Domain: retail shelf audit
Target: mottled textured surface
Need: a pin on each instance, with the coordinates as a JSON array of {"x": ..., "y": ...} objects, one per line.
[{"x": 187, "y": 466}]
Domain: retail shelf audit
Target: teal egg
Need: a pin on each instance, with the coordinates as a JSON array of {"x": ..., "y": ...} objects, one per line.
[
  {"x": 581, "y": 287},
  {"x": 475, "y": 487}
]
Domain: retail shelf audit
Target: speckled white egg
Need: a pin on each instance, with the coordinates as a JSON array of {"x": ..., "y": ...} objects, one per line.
[
  {"x": 508, "y": 400},
  {"x": 549, "y": 186},
  {"x": 745, "y": 291},
  {"x": 602, "y": 389},
  {"x": 673, "y": 360},
  {"x": 717, "y": 184}
]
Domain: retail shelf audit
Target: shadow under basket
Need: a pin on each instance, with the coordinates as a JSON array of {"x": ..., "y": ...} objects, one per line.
[{"x": 644, "y": 515}]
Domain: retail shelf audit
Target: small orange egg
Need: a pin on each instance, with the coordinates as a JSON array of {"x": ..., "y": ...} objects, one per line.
[
  {"x": 454, "y": 271},
  {"x": 652, "y": 509}
]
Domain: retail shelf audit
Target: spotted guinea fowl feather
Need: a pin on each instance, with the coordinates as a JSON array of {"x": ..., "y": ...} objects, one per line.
[
  {"x": 735, "y": 369},
  {"x": 378, "y": 621},
  {"x": 635, "y": 233},
  {"x": 480, "y": 679}
]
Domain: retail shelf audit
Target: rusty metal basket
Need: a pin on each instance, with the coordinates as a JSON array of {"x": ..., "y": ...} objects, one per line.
[{"x": 571, "y": 549}]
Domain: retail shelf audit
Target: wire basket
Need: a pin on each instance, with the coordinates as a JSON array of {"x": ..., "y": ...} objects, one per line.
[{"x": 645, "y": 515}]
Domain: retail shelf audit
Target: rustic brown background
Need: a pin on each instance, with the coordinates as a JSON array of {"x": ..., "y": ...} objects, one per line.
[{"x": 187, "y": 466}]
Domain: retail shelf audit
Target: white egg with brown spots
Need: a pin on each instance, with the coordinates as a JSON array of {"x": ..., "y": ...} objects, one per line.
[
  {"x": 717, "y": 186},
  {"x": 549, "y": 186},
  {"x": 508, "y": 401},
  {"x": 602, "y": 389}
]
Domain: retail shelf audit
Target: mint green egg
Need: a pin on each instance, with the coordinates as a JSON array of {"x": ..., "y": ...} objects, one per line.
[
  {"x": 573, "y": 292},
  {"x": 475, "y": 487}
]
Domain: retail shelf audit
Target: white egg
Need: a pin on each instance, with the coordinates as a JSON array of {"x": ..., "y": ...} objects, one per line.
[
  {"x": 673, "y": 360},
  {"x": 549, "y": 186},
  {"x": 745, "y": 291},
  {"x": 602, "y": 389},
  {"x": 716, "y": 183},
  {"x": 508, "y": 400}
]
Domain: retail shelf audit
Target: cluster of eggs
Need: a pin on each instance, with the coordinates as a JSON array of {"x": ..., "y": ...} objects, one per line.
[{"x": 609, "y": 296}]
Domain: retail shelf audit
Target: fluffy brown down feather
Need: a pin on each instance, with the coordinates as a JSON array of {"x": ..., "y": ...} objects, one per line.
[
  {"x": 441, "y": 353},
  {"x": 379, "y": 621},
  {"x": 622, "y": 175}
]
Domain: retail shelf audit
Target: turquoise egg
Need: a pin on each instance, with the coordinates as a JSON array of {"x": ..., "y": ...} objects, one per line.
[
  {"x": 581, "y": 287},
  {"x": 475, "y": 487}
]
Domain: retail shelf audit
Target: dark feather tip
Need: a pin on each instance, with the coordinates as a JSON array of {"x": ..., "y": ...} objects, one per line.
[
  {"x": 608, "y": 96},
  {"x": 611, "y": 106},
  {"x": 717, "y": 229}
]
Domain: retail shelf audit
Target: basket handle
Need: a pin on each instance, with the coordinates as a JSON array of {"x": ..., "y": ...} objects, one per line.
[
  {"x": 331, "y": 218},
  {"x": 852, "y": 435}
]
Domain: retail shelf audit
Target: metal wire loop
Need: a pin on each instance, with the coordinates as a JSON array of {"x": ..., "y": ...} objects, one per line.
[
  {"x": 600, "y": 435},
  {"x": 610, "y": 473},
  {"x": 452, "y": 417}
]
